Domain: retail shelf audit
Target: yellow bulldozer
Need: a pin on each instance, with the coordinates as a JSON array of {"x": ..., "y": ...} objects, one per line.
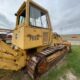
[{"x": 31, "y": 43}]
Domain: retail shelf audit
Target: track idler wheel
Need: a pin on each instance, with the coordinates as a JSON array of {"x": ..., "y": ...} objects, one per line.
[{"x": 42, "y": 66}]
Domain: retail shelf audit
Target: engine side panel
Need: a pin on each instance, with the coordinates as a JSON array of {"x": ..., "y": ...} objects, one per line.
[{"x": 35, "y": 37}]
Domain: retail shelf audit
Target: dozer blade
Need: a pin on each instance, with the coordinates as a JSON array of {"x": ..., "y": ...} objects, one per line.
[
  {"x": 44, "y": 60},
  {"x": 11, "y": 59}
]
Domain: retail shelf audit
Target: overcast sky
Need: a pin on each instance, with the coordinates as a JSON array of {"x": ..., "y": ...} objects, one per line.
[{"x": 65, "y": 14}]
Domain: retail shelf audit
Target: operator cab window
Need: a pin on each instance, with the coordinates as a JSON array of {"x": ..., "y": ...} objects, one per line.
[
  {"x": 22, "y": 17},
  {"x": 38, "y": 18}
]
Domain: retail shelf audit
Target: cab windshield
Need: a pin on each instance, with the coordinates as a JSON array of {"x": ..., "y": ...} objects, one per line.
[{"x": 38, "y": 17}]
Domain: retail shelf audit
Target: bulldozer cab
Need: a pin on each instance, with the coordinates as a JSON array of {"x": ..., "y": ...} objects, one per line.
[{"x": 32, "y": 26}]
